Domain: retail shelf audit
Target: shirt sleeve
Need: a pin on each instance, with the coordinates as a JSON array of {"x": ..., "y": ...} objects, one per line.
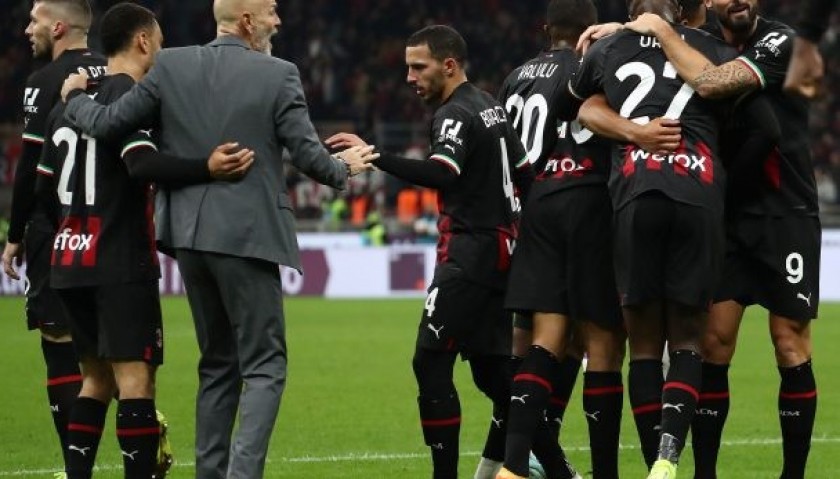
[
  {"x": 450, "y": 128},
  {"x": 768, "y": 58},
  {"x": 589, "y": 79}
]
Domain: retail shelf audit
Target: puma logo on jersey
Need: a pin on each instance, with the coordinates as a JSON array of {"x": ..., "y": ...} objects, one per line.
[
  {"x": 592, "y": 415},
  {"x": 73, "y": 242},
  {"x": 146, "y": 132},
  {"x": 497, "y": 422},
  {"x": 807, "y": 299},
  {"x": 519, "y": 398},
  {"x": 678, "y": 407},
  {"x": 92, "y": 96},
  {"x": 436, "y": 331}
]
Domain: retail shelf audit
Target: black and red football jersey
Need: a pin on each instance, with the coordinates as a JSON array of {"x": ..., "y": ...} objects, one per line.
[
  {"x": 42, "y": 93},
  {"x": 787, "y": 183},
  {"x": 563, "y": 153},
  {"x": 471, "y": 134},
  {"x": 106, "y": 231},
  {"x": 641, "y": 84}
]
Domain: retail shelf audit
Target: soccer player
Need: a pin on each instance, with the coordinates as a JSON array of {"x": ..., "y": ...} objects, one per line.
[
  {"x": 476, "y": 163},
  {"x": 806, "y": 68},
  {"x": 58, "y": 32},
  {"x": 565, "y": 224},
  {"x": 104, "y": 264},
  {"x": 665, "y": 281},
  {"x": 773, "y": 239}
]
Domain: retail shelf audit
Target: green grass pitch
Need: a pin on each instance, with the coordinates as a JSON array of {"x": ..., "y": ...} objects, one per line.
[{"x": 349, "y": 409}]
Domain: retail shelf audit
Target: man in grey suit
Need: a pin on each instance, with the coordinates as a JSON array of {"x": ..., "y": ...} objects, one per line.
[{"x": 229, "y": 237}]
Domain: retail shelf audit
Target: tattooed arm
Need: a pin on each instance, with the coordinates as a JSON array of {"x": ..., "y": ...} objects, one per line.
[{"x": 709, "y": 80}]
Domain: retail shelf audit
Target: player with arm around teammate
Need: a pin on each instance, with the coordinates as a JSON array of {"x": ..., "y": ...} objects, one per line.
[{"x": 104, "y": 264}]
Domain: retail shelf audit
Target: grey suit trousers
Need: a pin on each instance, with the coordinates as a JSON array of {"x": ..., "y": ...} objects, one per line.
[{"x": 237, "y": 307}]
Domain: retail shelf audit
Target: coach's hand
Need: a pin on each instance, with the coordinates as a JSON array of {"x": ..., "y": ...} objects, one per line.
[
  {"x": 596, "y": 32},
  {"x": 76, "y": 81},
  {"x": 229, "y": 162},
  {"x": 12, "y": 254},
  {"x": 358, "y": 158},
  {"x": 660, "y": 136},
  {"x": 345, "y": 140}
]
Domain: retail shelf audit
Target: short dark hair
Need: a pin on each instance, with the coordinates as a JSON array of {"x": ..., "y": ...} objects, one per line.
[
  {"x": 690, "y": 5},
  {"x": 567, "y": 19},
  {"x": 443, "y": 41},
  {"x": 119, "y": 25},
  {"x": 78, "y": 11}
]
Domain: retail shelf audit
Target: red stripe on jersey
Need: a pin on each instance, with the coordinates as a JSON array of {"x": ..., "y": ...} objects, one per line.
[
  {"x": 74, "y": 426},
  {"x": 453, "y": 421},
  {"x": 534, "y": 379},
  {"x": 94, "y": 226},
  {"x": 685, "y": 387},
  {"x": 150, "y": 222},
  {"x": 629, "y": 167},
  {"x": 75, "y": 378},
  {"x": 771, "y": 169},
  {"x": 444, "y": 225},
  {"x": 70, "y": 227},
  {"x": 138, "y": 431},
  {"x": 652, "y": 164},
  {"x": 805, "y": 395},
  {"x": 707, "y": 174},
  {"x": 679, "y": 168}
]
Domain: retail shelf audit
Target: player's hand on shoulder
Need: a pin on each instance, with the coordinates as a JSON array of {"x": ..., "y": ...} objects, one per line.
[
  {"x": 660, "y": 136},
  {"x": 595, "y": 32},
  {"x": 230, "y": 162},
  {"x": 647, "y": 24},
  {"x": 12, "y": 254},
  {"x": 344, "y": 140},
  {"x": 76, "y": 81},
  {"x": 358, "y": 158}
]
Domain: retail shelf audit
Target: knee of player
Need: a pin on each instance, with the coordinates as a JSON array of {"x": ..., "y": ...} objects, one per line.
[{"x": 792, "y": 342}]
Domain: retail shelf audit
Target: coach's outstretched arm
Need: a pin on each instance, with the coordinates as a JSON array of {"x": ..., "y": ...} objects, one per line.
[{"x": 134, "y": 110}]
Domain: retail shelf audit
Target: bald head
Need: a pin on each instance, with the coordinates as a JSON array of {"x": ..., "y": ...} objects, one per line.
[
  {"x": 230, "y": 11},
  {"x": 255, "y": 21}
]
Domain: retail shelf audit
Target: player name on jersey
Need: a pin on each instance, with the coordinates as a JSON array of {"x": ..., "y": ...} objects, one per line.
[{"x": 537, "y": 70}]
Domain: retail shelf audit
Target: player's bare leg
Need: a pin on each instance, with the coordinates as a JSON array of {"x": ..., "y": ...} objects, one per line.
[
  {"x": 718, "y": 348},
  {"x": 603, "y": 395},
  {"x": 797, "y": 391}
]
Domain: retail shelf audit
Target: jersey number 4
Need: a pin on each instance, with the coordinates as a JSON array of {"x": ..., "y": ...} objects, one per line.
[{"x": 69, "y": 136}]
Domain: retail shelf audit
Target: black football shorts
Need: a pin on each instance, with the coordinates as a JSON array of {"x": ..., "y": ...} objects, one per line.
[
  {"x": 773, "y": 261},
  {"x": 563, "y": 261},
  {"x": 43, "y": 307},
  {"x": 667, "y": 250},
  {"x": 116, "y": 322},
  {"x": 461, "y": 315}
]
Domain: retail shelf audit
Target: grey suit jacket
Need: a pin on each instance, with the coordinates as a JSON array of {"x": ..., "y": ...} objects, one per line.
[{"x": 200, "y": 97}]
